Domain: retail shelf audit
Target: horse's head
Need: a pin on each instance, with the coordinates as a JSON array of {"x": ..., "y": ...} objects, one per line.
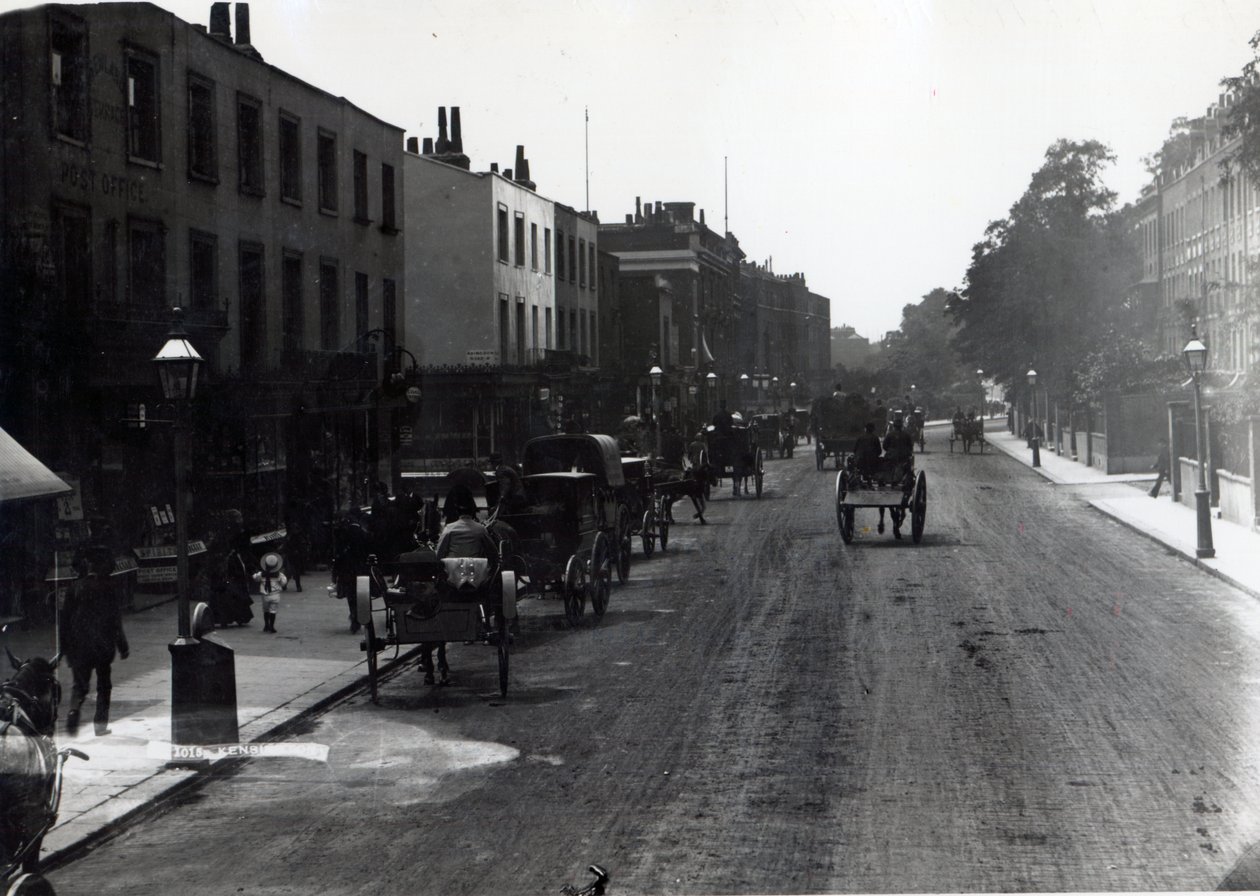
[{"x": 35, "y": 689}]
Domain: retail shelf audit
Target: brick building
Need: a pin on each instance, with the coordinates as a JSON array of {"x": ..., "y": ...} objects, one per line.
[{"x": 146, "y": 163}]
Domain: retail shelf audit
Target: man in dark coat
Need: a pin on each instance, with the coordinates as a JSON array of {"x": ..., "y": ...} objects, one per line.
[{"x": 91, "y": 632}]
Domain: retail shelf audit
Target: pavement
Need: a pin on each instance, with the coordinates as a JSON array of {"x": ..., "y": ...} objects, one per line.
[
  {"x": 313, "y": 660},
  {"x": 1161, "y": 519}
]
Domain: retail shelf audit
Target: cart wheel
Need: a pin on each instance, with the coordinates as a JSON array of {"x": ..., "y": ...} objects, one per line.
[
  {"x": 918, "y": 507},
  {"x": 648, "y": 533},
  {"x": 369, "y": 636},
  {"x": 574, "y": 590},
  {"x": 844, "y": 512},
  {"x": 625, "y": 542},
  {"x": 819, "y": 455},
  {"x": 662, "y": 531},
  {"x": 600, "y": 582},
  {"x": 759, "y": 470},
  {"x": 30, "y": 885}
]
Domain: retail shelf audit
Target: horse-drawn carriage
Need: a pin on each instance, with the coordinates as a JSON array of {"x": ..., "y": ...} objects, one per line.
[
  {"x": 773, "y": 435},
  {"x": 732, "y": 452},
  {"x": 969, "y": 431},
  {"x": 836, "y": 423},
  {"x": 419, "y": 599},
  {"x": 30, "y": 772},
  {"x": 649, "y": 518},
  {"x": 914, "y": 425},
  {"x": 890, "y": 486},
  {"x": 575, "y": 526}
]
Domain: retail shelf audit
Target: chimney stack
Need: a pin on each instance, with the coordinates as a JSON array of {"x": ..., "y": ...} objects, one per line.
[
  {"x": 413, "y": 145},
  {"x": 457, "y": 137},
  {"x": 638, "y": 210},
  {"x": 494, "y": 167},
  {"x": 629, "y": 218},
  {"x": 507, "y": 172},
  {"x": 220, "y": 21},
  {"x": 443, "y": 144},
  {"x": 701, "y": 217},
  {"x": 428, "y": 146},
  {"x": 242, "y": 24},
  {"x": 522, "y": 168}
]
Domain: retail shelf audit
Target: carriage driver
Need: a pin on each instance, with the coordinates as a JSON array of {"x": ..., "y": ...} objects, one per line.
[
  {"x": 866, "y": 451},
  {"x": 898, "y": 444}
]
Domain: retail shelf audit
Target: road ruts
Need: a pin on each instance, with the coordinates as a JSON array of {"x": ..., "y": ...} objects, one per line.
[{"x": 1033, "y": 698}]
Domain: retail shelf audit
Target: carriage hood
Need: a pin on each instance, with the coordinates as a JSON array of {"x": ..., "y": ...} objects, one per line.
[{"x": 575, "y": 453}]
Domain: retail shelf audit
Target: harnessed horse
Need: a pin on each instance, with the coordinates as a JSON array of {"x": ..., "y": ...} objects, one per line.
[{"x": 30, "y": 765}]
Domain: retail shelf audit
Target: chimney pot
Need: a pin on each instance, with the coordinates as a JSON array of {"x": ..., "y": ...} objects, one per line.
[
  {"x": 428, "y": 146},
  {"x": 413, "y": 145},
  {"x": 507, "y": 172},
  {"x": 494, "y": 167},
  {"x": 220, "y": 20},
  {"x": 629, "y": 218},
  {"x": 457, "y": 133},
  {"x": 242, "y": 24},
  {"x": 443, "y": 144}
]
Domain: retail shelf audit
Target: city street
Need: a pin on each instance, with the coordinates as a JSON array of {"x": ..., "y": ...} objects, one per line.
[{"x": 1034, "y": 698}]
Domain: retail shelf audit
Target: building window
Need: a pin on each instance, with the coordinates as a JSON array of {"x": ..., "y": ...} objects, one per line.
[
  {"x": 572, "y": 263},
  {"x": 590, "y": 262},
  {"x": 290, "y": 158},
  {"x": 389, "y": 312},
  {"x": 146, "y": 252},
  {"x": 361, "y": 309},
  {"x": 582, "y": 263},
  {"x": 594, "y": 352},
  {"x": 520, "y": 330},
  {"x": 533, "y": 326},
  {"x": 253, "y": 309},
  {"x": 518, "y": 239},
  {"x": 504, "y": 329},
  {"x": 389, "y": 221},
  {"x": 203, "y": 270},
  {"x": 547, "y": 249},
  {"x": 327, "y": 159},
  {"x": 533, "y": 247},
  {"x": 329, "y": 307},
  {"x": 72, "y": 256},
  {"x": 547, "y": 326},
  {"x": 560, "y": 329},
  {"x": 502, "y": 222},
  {"x": 249, "y": 144},
  {"x": 69, "y": 74},
  {"x": 203, "y": 157},
  {"x": 360, "y": 188},
  {"x": 574, "y": 337},
  {"x": 143, "y": 124},
  {"x": 582, "y": 332},
  {"x": 559, "y": 254},
  {"x": 292, "y": 320}
]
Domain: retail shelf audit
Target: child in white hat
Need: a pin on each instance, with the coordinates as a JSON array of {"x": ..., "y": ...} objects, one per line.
[{"x": 271, "y": 581}]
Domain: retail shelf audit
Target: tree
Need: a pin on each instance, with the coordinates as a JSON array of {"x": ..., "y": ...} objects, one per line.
[
  {"x": 921, "y": 351},
  {"x": 1242, "y": 118},
  {"x": 1046, "y": 282}
]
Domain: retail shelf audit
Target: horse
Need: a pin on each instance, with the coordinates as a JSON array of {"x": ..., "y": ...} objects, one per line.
[{"x": 30, "y": 766}]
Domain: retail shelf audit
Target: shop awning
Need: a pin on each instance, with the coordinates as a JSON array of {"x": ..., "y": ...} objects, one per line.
[{"x": 22, "y": 476}]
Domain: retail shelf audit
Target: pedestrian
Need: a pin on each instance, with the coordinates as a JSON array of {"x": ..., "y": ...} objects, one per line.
[
  {"x": 1161, "y": 468},
  {"x": 352, "y": 546},
  {"x": 270, "y": 581},
  {"x": 91, "y": 633}
]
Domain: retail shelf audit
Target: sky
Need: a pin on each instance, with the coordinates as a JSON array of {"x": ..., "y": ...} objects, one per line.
[{"x": 864, "y": 144}]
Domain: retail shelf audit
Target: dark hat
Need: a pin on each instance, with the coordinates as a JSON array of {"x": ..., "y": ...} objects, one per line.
[{"x": 460, "y": 499}]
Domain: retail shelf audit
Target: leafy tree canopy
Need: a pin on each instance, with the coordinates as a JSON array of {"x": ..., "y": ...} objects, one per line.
[{"x": 1242, "y": 119}]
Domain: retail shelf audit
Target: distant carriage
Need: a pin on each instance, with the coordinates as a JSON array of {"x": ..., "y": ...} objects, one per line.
[
  {"x": 734, "y": 454},
  {"x": 836, "y": 424},
  {"x": 890, "y": 486},
  {"x": 773, "y": 435},
  {"x": 969, "y": 432}
]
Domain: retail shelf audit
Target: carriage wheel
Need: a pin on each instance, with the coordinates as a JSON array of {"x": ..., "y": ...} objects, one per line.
[
  {"x": 625, "y": 544},
  {"x": 819, "y": 454},
  {"x": 844, "y": 512},
  {"x": 574, "y": 589},
  {"x": 600, "y": 582},
  {"x": 507, "y": 610},
  {"x": 663, "y": 530},
  {"x": 647, "y": 533},
  {"x": 30, "y": 884},
  {"x": 918, "y": 507},
  {"x": 363, "y": 612},
  {"x": 759, "y": 470}
]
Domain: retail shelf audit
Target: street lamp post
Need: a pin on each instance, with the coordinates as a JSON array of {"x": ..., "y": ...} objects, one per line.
[
  {"x": 655, "y": 373},
  {"x": 743, "y": 390},
  {"x": 1032, "y": 417},
  {"x": 1195, "y": 356},
  {"x": 980, "y": 377},
  {"x": 203, "y": 682}
]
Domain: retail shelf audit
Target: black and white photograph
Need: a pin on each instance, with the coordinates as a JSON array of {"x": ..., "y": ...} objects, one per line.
[{"x": 629, "y": 447}]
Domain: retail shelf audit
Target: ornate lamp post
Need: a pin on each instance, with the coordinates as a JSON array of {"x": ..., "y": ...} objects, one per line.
[
  {"x": 774, "y": 394},
  {"x": 980, "y": 377},
  {"x": 1032, "y": 417},
  {"x": 743, "y": 389},
  {"x": 711, "y": 382},
  {"x": 1195, "y": 356}
]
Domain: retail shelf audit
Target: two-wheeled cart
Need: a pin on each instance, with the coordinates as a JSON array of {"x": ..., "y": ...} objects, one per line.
[{"x": 891, "y": 487}]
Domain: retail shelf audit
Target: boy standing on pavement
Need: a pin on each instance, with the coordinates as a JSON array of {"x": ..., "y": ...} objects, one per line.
[{"x": 91, "y": 631}]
